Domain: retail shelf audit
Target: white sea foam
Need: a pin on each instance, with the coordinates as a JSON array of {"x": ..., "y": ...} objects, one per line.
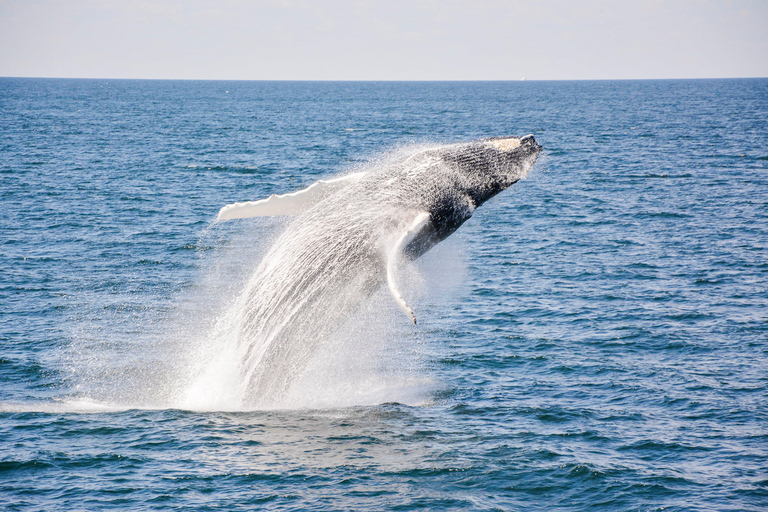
[
  {"x": 373, "y": 358},
  {"x": 82, "y": 406}
]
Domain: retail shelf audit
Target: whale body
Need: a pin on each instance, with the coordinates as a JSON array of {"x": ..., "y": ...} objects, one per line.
[{"x": 349, "y": 238}]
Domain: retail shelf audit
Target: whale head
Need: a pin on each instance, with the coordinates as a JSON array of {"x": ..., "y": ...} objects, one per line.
[
  {"x": 491, "y": 165},
  {"x": 511, "y": 158}
]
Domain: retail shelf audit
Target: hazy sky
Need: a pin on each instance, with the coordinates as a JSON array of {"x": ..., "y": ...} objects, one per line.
[{"x": 384, "y": 40}]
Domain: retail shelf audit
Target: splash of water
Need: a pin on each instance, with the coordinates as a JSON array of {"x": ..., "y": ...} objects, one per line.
[{"x": 372, "y": 358}]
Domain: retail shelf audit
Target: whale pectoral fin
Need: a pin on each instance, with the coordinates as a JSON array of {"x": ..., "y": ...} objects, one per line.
[
  {"x": 419, "y": 224},
  {"x": 287, "y": 204}
]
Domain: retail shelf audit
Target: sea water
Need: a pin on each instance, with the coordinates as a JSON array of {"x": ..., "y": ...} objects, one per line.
[{"x": 594, "y": 337}]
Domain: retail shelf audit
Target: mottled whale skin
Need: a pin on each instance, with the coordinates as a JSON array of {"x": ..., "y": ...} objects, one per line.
[{"x": 349, "y": 237}]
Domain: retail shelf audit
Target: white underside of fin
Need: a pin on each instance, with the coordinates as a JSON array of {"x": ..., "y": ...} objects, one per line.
[
  {"x": 396, "y": 256},
  {"x": 287, "y": 204}
]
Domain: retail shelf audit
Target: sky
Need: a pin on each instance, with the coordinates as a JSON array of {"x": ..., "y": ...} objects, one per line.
[{"x": 384, "y": 40}]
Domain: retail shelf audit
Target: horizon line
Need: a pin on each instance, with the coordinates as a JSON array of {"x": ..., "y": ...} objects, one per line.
[{"x": 331, "y": 80}]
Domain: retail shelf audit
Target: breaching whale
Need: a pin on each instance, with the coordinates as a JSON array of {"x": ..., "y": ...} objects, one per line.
[{"x": 350, "y": 236}]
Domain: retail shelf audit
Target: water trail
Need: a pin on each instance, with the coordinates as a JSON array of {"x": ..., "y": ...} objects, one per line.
[{"x": 372, "y": 358}]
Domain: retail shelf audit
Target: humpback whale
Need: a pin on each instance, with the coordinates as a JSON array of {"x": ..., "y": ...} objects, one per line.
[{"x": 349, "y": 237}]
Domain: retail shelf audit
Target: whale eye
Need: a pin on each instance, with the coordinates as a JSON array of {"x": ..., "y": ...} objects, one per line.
[{"x": 506, "y": 144}]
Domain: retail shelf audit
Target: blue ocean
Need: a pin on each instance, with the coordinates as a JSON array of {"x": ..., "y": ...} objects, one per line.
[{"x": 594, "y": 337}]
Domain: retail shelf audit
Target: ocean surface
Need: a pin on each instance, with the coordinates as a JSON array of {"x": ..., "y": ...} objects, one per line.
[{"x": 595, "y": 337}]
